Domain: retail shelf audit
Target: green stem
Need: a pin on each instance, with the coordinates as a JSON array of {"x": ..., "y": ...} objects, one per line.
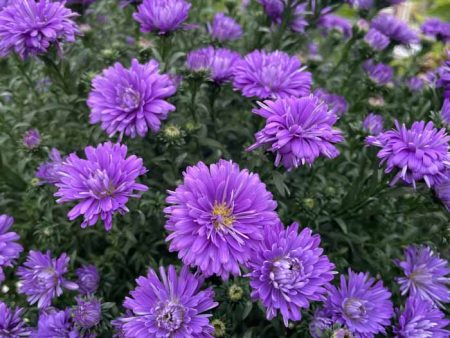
[
  {"x": 344, "y": 55},
  {"x": 55, "y": 73},
  {"x": 29, "y": 81},
  {"x": 277, "y": 38}
]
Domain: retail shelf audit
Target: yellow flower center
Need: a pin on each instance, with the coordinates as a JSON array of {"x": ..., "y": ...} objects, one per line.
[{"x": 222, "y": 215}]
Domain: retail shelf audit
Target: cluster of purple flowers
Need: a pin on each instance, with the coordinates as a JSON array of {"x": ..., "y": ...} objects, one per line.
[{"x": 437, "y": 29}]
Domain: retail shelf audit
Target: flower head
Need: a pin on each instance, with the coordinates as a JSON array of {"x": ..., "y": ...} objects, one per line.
[
  {"x": 442, "y": 190},
  {"x": 88, "y": 279},
  {"x": 225, "y": 28},
  {"x": 131, "y": 101},
  {"x": 426, "y": 275},
  {"x": 379, "y": 73},
  {"x": 42, "y": 278},
  {"x": 361, "y": 304},
  {"x": 415, "y": 84},
  {"x": 55, "y": 324},
  {"x": 330, "y": 22},
  {"x": 87, "y": 313},
  {"x": 437, "y": 29},
  {"x": 30, "y": 27},
  {"x": 289, "y": 271},
  {"x": 376, "y": 39},
  {"x": 169, "y": 306},
  {"x": 336, "y": 103},
  {"x": 394, "y": 29},
  {"x": 418, "y": 153},
  {"x": 163, "y": 16},
  {"x": 32, "y": 138},
  {"x": 320, "y": 323},
  {"x": 373, "y": 124},
  {"x": 275, "y": 10},
  {"x": 217, "y": 215},
  {"x": 443, "y": 80},
  {"x": 9, "y": 249},
  {"x": 421, "y": 319},
  {"x": 11, "y": 323},
  {"x": 101, "y": 184},
  {"x": 269, "y": 75},
  {"x": 48, "y": 172},
  {"x": 298, "y": 131}
]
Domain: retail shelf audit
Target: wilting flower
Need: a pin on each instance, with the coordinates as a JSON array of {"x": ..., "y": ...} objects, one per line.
[
  {"x": 418, "y": 153},
  {"x": 217, "y": 215},
  {"x": 48, "y": 172},
  {"x": 275, "y": 10},
  {"x": 361, "y": 304},
  {"x": 373, "y": 124},
  {"x": 163, "y": 16},
  {"x": 336, "y": 103},
  {"x": 289, "y": 271},
  {"x": 224, "y": 28},
  {"x": 376, "y": 39},
  {"x": 131, "y": 101},
  {"x": 298, "y": 131},
  {"x": 32, "y": 138},
  {"x": 219, "y": 63},
  {"x": 394, "y": 29},
  {"x": 169, "y": 306},
  {"x": 320, "y": 323},
  {"x": 415, "y": 84},
  {"x": 270, "y": 75},
  {"x": 437, "y": 29},
  {"x": 42, "y": 278},
  {"x": 88, "y": 279},
  {"x": 101, "y": 184},
  {"x": 421, "y": 319},
  {"x": 9, "y": 249},
  {"x": 426, "y": 275},
  {"x": 361, "y": 4},
  {"x": 11, "y": 323},
  {"x": 379, "y": 73},
  {"x": 331, "y": 22},
  {"x": 87, "y": 313},
  {"x": 30, "y": 27},
  {"x": 55, "y": 324}
]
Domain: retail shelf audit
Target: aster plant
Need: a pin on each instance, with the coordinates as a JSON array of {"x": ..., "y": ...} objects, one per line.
[
  {"x": 395, "y": 29},
  {"x": 131, "y": 101},
  {"x": 426, "y": 275},
  {"x": 361, "y": 304},
  {"x": 217, "y": 216},
  {"x": 19, "y": 33},
  {"x": 289, "y": 271},
  {"x": 42, "y": 278},
  {"x": 297, "y": 131},
  {"x": 55, "y": 324},
  {"x": 373, "y": 124},
  {"x": 171, "y": 305},
  {"x": 11, "y": 322},
  {"x": 9, "y": 249},
  {"x": 224, "y": 28},
  {"x": 87, "y": 313},
  {"x": 88, "y": 279},
  {"x": 49, "y": 172},
  {"x": 101, "y": 184}
]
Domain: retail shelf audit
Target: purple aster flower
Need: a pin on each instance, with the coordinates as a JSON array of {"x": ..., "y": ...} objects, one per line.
[
  {"x": 11, "y": 323},
  {"x": 437, "y": 29},
  {"x": 87, "y": 313},
  {"x": 163, "y": 16},
  {"x": 289, "y": 271},
  {"x": 42, "y": 278},
  {"x": 415, "y": 84},
  {"x": 418, "y": 153},
  {"x": 426, "y": 275},
  {"x": 275, "y": 10},
  {"x": 224, "y": 28},
  {"x": 9, "y": 249},
  {"x": 443, "y": 80},
  {"x": 421, "y": 319},
  {"x": 217, "y": 215},
  {"x": 362, "y": 304},
  {"x": 48, "y": 172},
  {"x": 336, "y": 103},
  {"x": 330, "y": 22},
  {"x": 101, "y": 184},
  {"x": 373, "y": 124},
  {"x": 269, "y": 75},
  {"x": 32, "y": 138},
  {"x": 379, "y": 73},
  {"x": 298, "y": 131},
  {"x": 30, "y": 27},
  {"x": 376, "y": 39},
  {"x": 88, "y": 279},
  {"x": 320, "y": 323},
  {"x": 445, "y": 111},
  {"x": 55, "y": 324},
  {"x": 169, "y": 306},
  {"x": 394, "y": 29},
  {"x": 200, "y": 59},
  {"x": 131, "y": 101},
  {"x": 442, "y": 190},
  {"x": 361, "y": 4}
]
